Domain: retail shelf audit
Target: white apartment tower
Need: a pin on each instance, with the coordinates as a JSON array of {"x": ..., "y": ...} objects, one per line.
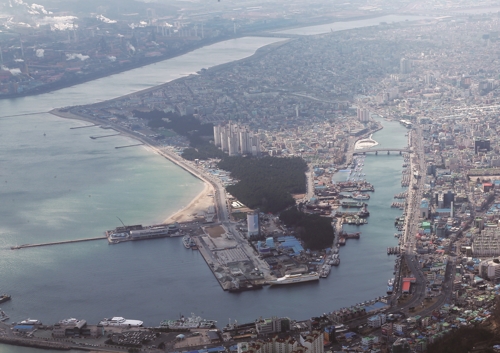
[
  {"x": 236, "y": 140},
  {"x": 363, "y": 115},
  {"x": 253, "y": 224}
]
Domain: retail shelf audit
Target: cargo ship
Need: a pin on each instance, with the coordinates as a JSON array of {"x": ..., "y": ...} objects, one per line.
[
  {"x": 138, "y": 232},
  {"x": 121, "y": 322},
  {"x": 355, "y": 204},
  {"x": 4, "y": 298},
  {"x": 289, "y": 279},
  {"x": 360, "y": 196}
]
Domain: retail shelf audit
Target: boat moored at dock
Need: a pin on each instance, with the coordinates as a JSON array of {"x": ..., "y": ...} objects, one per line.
[
  {"x": 186, "y": 241},
  {"x": 188, "y": 323},
  {"x": 138, "y": 232},
  {"x": 30, "y": 322},
  {"x": 121, "y": 322},
  {"x": 360, "y": 196},
  {"x": 349, "y": 203},
  {"x": 298, "y": 278}
]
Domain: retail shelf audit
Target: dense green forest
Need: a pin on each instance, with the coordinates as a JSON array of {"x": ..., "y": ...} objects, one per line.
[
  {"x": 187, "y": 126},
  {"x": 315, "y": 231},
  {"x": 465, "y": 340},
  {"x": 266, "y": 183}
]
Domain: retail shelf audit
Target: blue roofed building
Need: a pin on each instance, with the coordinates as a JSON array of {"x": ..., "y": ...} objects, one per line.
[{"x": 291, "y": 245}]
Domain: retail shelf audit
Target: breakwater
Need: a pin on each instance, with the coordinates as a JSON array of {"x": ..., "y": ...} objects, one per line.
[{"x": 26, "y": 246}]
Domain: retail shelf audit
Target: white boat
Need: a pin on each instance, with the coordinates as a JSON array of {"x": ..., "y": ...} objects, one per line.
[
  {"x": 186, "y": 240},
  {"x": 120, "y": 321},
  {"x": 390, "y": 282},
  {"x": 360, "y": 196},
  {"x": 30, "y": 322},
  {"x": 288, "y": 279}
]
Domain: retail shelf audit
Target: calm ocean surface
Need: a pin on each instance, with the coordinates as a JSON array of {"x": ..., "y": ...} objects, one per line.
[{"x": 58, "y": 184}]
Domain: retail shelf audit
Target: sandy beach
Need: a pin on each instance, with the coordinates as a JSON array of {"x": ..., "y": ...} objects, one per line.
[{"x": 197, "y": 207}]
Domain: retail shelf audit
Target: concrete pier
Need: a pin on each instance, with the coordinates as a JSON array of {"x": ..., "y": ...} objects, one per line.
[
  {"x": 100, "y": 137},
  {"x": 24, "y": 246},
  {"x": 137, "y": 144},
  {"x": 206, "y": 253},
  {"x": 82, "y": 127}
]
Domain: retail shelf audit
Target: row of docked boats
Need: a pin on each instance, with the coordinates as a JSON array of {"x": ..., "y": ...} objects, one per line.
[
  {"x": 334, "y": 260},
  {"x": 363, "y": 213},
  {"x": 393, "y": 250},
  {"x": 399, "y": 205},
  {"x": 352, "y": 204},
  {"x": 355, "y": 220}
]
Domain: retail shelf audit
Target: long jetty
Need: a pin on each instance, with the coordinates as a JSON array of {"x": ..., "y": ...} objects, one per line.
[
  {"x": 82, "y": 127},
  {"x": 138, "y": 144},
  {"x": 24, "y": 246},
  {"x": 100, "y": 137}
]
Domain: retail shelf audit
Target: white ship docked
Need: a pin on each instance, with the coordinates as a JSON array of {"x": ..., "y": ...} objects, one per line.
[
  {"x": 288, "y": 279},
  {"x": 30, "y": 322},
  {"x": 120, "y": 321}
]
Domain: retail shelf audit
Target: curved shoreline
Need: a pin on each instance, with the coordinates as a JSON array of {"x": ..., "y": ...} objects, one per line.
[{"x": 200, "y": 200}]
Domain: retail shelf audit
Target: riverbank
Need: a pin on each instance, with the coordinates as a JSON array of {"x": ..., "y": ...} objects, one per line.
[
  {"x": 198, "y": 206},
  {"x": 58, "y": 85},
  {"x": 271, "y": 32},
  {"x": 264, "y": 50}
]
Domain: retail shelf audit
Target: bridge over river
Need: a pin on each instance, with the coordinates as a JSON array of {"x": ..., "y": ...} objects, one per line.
[{"x": 381, "y": 149}]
